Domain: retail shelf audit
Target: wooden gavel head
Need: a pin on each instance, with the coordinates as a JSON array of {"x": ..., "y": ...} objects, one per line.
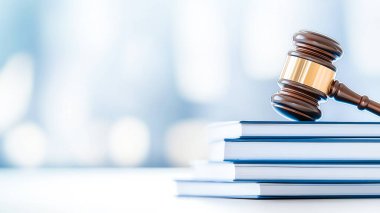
[{"x": 309, "y": 77}]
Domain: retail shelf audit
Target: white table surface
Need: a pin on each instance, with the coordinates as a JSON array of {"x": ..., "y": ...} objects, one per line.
[{"x": 137, "y": 190}]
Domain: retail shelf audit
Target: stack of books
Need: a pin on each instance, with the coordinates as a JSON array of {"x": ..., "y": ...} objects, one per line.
[{"x": 260, "y": 159}]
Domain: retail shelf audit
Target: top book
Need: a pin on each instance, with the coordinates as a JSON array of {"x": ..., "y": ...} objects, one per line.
[{"x": 247, "y": 129}]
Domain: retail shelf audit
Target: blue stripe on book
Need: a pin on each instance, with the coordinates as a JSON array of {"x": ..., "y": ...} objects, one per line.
[
  {"x": 307, "y": 140},
  {"x": 325, "y": 182},
  {"x": 305, "y": 122},
  {"x": 283, "y": 161},
  {"x": 292, "y": 181},
  {"x": 287, "y": 197},
  {"x": 317, "y": 197},
  {"x": 312, "y": 181},
  {"x": 305, "y": 137}
]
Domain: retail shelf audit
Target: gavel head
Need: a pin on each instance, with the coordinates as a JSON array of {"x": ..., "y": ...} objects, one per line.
[{"x": 307, "y": 76}]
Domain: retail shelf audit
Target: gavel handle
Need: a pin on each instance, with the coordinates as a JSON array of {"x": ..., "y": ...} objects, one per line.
[{"x": 341, "y": 92}]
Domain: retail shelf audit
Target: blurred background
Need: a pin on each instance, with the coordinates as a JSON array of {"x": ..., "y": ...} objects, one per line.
[{"x": 114, "y": 83}]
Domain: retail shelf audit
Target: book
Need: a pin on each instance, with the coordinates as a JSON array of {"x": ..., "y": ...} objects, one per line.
[
  {"x": 227, "y": 171},
  {"x": 296, "y": 150},
  {"x": 250, "y": 189},
  {"x": 241, "y": 129}
]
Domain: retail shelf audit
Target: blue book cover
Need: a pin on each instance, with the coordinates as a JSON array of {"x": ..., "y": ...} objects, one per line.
[
  {"x": 287, "y": 190},
  {"x": 279, "y": 197},
  {"x": 296, "y": 150},
  {"x": 306, "y": 140},
  {"x": 292, "y": 129},
  {"x": 306, "y": 122},
  {"x": 291, "y": 172}
]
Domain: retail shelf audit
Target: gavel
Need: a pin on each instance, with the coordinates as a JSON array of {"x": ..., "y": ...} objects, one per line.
[{"x": 309, "y": 77}]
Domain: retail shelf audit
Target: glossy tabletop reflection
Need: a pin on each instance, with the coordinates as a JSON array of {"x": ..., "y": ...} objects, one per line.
[{"x": 137, "y": 190}]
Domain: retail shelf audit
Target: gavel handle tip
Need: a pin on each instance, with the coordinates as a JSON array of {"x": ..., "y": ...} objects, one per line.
[{"x": 342, "y": 93}]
